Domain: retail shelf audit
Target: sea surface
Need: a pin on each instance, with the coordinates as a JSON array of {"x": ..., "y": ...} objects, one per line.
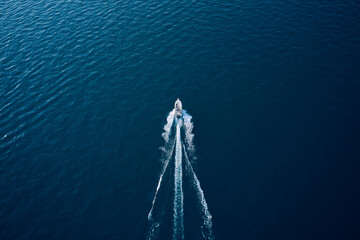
[{"x": 273, "y": 88}]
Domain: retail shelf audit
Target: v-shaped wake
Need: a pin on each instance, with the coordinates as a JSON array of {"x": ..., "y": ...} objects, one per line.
[
  {"x": 178, "y": 198},
  {"x": 182, "y": 121}
]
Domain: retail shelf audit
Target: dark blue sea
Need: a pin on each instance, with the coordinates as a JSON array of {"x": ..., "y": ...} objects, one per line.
[{"x": 273, "y": 88}]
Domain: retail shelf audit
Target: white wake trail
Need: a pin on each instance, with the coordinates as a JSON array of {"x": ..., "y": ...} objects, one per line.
[
  {"x": 168, "y": 154},
  {"x": 189, "y": 136},
  {"x": 168, "y": 125},
  {"x": 153, "y": 224},
  {"x": 206, "y": 228},
  {"x": 177, "y": 146},
  {"x": 166, "y": 134},
  {"x": 179, "y": 198},
  {"x": 160, "y": 180}
]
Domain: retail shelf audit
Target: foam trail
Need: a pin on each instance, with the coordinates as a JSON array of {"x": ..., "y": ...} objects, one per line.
[
  {"x": 151, "y": 234},
  {"x": 168, "y": 125},
  {"x": 206, "y": 228},
  {"x": 168, "y": 154},
  {"x": 166, "y": 134},
  {"x": 160, "y": 180},
  {"x": 179, "y": 198},
  {"x": 189, "y": 136}
]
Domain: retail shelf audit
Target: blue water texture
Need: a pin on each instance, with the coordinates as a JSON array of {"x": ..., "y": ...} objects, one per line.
[{"x": 273, "y": 88}]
